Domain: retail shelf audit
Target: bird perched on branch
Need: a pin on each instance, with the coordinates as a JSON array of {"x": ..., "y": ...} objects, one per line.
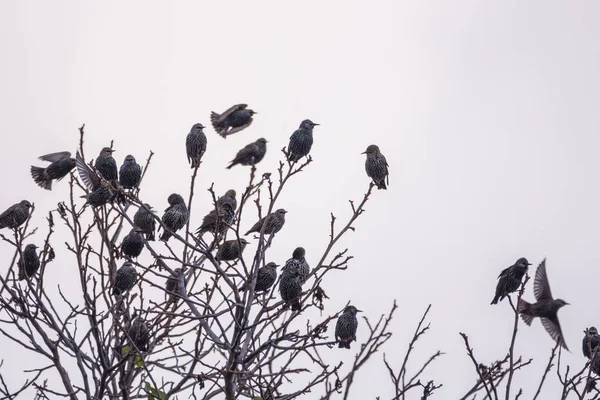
[
  {"x": 510, "y": 279},
  {"x": 377, "y": 167},
  {"x": 230, "y": 250},
  {"x": 290, "y": 287},
  {"x": 546, "y": 307},
  {"x": 175, "y": 216},
  {"x": 172, "y": 286},
  {"x": 125, "y": 278},
  {"x": 346, "y": 326},
  {"x": 299, "y": 262},
  {"x": 106, "y": 165},
  {"x": 252, "y": 154},
  {"x": 218, "y": 220},
  {"x": 29, "y": 262},
  {"x": 133, "y": 243},
  {"x": 195, "y": 145},
  {"x": 139, "y": 333},
  {"x": 100, "y": 192},
  {"x": 15, "y": 215},
  {"x": 144, "y": 220},
  {"x": 233, "y": 120},
  {"x": 61, "y": 164},
  {"x": 265, "y": 278},
  {"x": 592, "y": 343},
  {"x": 273, "y": 223},
  {"x": 130, "y": 173},
  {"x": 301, "y": 141},
  {"x": 228, "y": 197}
]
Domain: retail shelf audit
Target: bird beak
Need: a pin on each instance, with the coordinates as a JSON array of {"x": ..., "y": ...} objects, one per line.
[
  {"x": 112, "y": 150},
  {"x": 359, "y": 310},
  {"x": 364, "y": 152},
  {"x": 315, "y": 124},
  {"x": 529, "y": 264}
]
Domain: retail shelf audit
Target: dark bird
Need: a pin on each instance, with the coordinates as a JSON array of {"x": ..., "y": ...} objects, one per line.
[
  {"x": 144, "y": 220},
  {"x": 233, "y": 120},
  {"x": 195, "y": 144},
  {"x": 301, "y": 140},
  {"x": 172, "y": 286},
  {"x": 61, "y": 164},
  {"x": 252, "y": 154},
  {"x": 273, "y": 223},
  {"x": 265, "y": 278},
  {"x": 593, "y": 342},
  {"x": 175, "y": 216},
  {"x": 100, "y": 193},
  {"x": 228, "y": 197},
  {"x": 298, "y": 261},
  {"x": 133, "y": 243},
  {"x": 125, "y": 278},
  {"x": 510, "y": 279},
  {"x": 15, "y": 215},
  {"x": 106, "y": 165},
  {"x": 29, "y": 262},
  {"x": 130, "y": 173},
  {"x": 377, "y": 167},
  {"x": 218, "y": 220},
  {"x": 345, "y": 328},
  {"x": 230, "y": 250},
  {"x": 290, "y": 287},
  {"x": 139, "y": 333},
  {"x": 546, "y": 307}
]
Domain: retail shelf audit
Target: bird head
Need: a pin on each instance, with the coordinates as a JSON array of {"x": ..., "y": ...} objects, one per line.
[
  {"x": 106, "y": 151},
  {"x": 175, "y": 199},
  {"x": 198, "y": 127},
  {"x": 230, "y": 193},
  {"x": 271, "y": 265},
  {"x": 30, "y": 246},
  {"x": 281, "y": 212},
  {"x": 129, "y": 159},
  {"x": 262, "y": 141},
  {"x": 307, "y": 124},
  {"x": 371, "y": 150},
  {"x": 25, "y": 203},
  {"x": 560, "y": 303},
  {"x": 251, "y": 112},
  {"x": 299, "y": 253},
  {"x": 352, "y": 310},
  {"x": 522, "y": 262},
  {"x": 592, "y": 330}
]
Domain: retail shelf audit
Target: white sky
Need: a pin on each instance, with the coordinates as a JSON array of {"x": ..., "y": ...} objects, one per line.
[{"x": 486, "y": 112}]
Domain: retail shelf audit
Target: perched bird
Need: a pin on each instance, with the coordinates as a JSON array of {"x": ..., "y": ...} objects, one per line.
[
  {"x": 106, "y": 165},
  {"x": 125, "y": 278},
  {"x": 298, "y": 261},
  {"x": 29, "y": 262},
  {"x": 144, "y": 220},
  {"x": 139, "y": 333},
  {"x": 130, "y": 173},
  {"x": 594, "y": 341},
  {"x": 510, "y": 279},
  {"x": 195, "y": 144},
  {"x": 290, "y": 287},
  {"x": 218, "y": 220},
  {"x": 301, "y": 140},
  {"x": 345, "y": 328},
  {"x": 252, "y": 154},
  {"x": 15, "y": 215},
  {"x": 230, "y": 250},
  {"x": 175, "y": 216},
  {"x": 133, "y": 243},
  {"x": 228, "y": 197},
  {"x": 172, "y": 286},
  {"x": 265, "y": 278},
  {"x": 377, "y": 167},
  {"x": 273, "y": 223},
  {"x": 61, "y": 164},
  {"x": 233, "y": 120},
  {"x": 100, "y": 193},
  {"x": 546, "y": 307}
]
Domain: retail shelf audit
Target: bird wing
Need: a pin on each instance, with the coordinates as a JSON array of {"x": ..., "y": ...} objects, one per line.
[
  {"x": 52, "y": 157},
  {"x": 87, "y": 175},
  {"x": 541, "y": 287},
  {"x": 9, "y": 211},
  {"x": 387, "y": 172},
  {"x": 230, "y": 111},
  {"x": 504, "y": 272},
  {"x": 239, "y": 128},
  {"x": 553, "y": 328}
]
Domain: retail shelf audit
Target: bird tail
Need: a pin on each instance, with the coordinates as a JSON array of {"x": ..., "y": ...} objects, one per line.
[
  {"x": 231, "y": 165},
  {"x": 497, "y": 298},
  {"x": 150, "y": 237},
  {"x": 165, "y": 236},
  {"x": 296, "y": 305},
  {"x": 381, "y": 185},
  {"x": 214, "y": 119},
  {"x": 524, "y": 308},
  {"x": 39, "y": 176},
  {"x": 115, "y": 291},
  {"x": 342, "y": 344}
]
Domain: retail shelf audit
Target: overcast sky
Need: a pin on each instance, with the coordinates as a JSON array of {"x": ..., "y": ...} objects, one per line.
[{"x": 487, "y": 113}]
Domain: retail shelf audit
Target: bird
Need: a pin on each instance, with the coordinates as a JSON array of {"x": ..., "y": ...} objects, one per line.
[
  {"x": 61, "y": 164},
  {"x": 133, "y": 243},
  {"x": 217, "y": 220},
  {"x": 345, "y": 328},
  {"x": 29, "y": 262},
  {"x": 265, "y": 278},
  {"x": 301, "y": 140},
  {"x": 195, "y": 144},
  {"x": 299, "y": 262},
  {"x": 100, "y": 192},
  {"x": 145, "y": 221},
  {"x": 228, "y": 197},
  {"x": 290, "y": 287},
  {"x": 130, "y": 173},
  {"x": 235, "y": 119},
  {"x": 230, "y": 250},
  {"x": 139, "y": 333},
  {"x": 594, "y": 341},
  {"x": 15, "y": 215},
  {"x": 125, "y": 278},
  {"x": 273, "y": 223},
  {"x": 510, "y": 279},
  {"x": 172, "y": 286},
  {"x": 175, "y": 216},
  {"x": 106, "y": 165},
  {"x": 252, "y": 154},
  {"x": 377, "y": 167},
  {"x": 546, "y": 307}
]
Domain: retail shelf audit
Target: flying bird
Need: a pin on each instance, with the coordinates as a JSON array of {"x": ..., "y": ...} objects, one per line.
[
  {"x": 235, "y": 119},
  {"x": 61, "y": 164},
  {"x": 252, "y": 154}
]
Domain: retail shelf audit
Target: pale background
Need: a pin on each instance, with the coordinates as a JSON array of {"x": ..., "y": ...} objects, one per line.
[{"x": 486, "y": 111}]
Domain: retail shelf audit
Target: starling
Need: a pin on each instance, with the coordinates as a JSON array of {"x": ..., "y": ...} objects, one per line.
[
  {"x": 15, "y": 215},
  {"x": 139, "y": 333},
  {"x": 100, "y": 193},
  {"x": 510, "y": 279},
  {"x": 546, "y": 307},
  {"x": 251, "y": 154},
  {"x": 233, "y": 120},
  {"x": 130, "y": 173},
  {"x": 217, "y": 220},
  {"x": 172, "y": 286},
  {"x": 228, "y": 197},
  {"x": 345, "y": 328},
  {"x": 106, "y": 165},
  {"x": 175, "y": 216},
  {"x": 594, "y": 342},
  {"x": 298, "y": 261},
  {"x": 274, "y": 223},
  {"x": 133, "y": 243},
  {"x": 61, "y": 164},
  {"x": 195, "y": 144},
  {"x": 290, "y": 287},
  {"x": 265, "y": 278},
  {"x": 301, "y": 140},
  {"x": 377, "y": 167},
  {"x": 29, "y": 262},
  {"x": 125, "y": 278},
  {"x": 230, "y": 250},
  {"x": 144, "y": 220}
]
